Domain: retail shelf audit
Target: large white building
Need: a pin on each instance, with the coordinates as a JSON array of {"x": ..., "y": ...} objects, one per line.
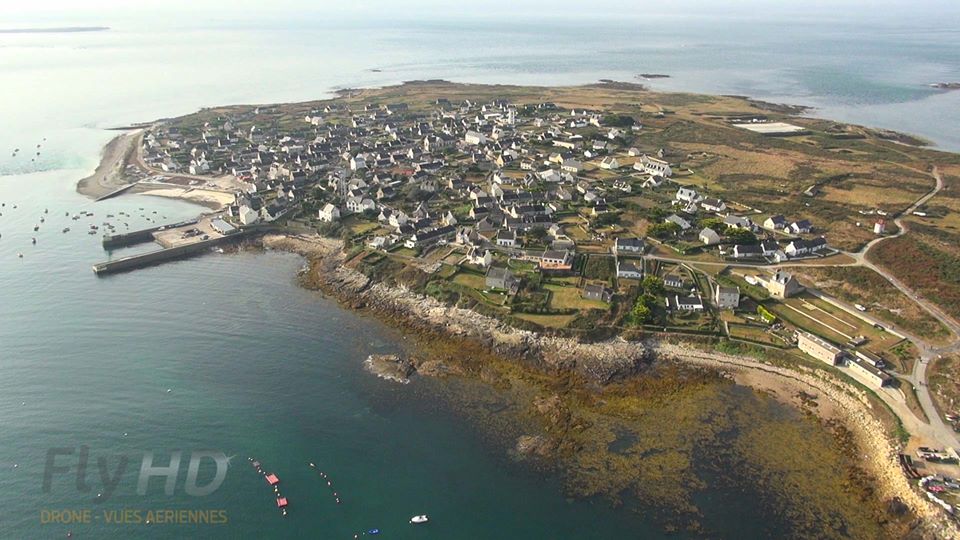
[
  {"x": 819, "y": 348},
  {"x": 655, "y": 166}
]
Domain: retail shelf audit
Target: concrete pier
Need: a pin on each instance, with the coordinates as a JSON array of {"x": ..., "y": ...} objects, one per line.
[
  {"x": 151, "y": 258},
  {"x": 138, "y": 237},
  {"x": 114, "y": 193}
]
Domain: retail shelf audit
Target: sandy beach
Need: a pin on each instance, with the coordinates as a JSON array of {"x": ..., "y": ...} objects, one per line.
[
  {"x": 109, "y": 173},
  {"x": 123, "y": 150},
  {"x": 215, "y": 200}
]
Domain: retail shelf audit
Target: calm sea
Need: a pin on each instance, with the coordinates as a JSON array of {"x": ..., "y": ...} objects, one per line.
[{"x": 257, "y": 367}]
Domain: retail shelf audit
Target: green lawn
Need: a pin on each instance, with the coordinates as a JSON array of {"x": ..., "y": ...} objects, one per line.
[
  {"x": 471, "y": 280},
  {"x": 570, "y": 298}
]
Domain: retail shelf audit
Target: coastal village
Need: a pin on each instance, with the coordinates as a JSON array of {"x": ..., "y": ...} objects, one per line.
[{"x": 562, "y": 220}]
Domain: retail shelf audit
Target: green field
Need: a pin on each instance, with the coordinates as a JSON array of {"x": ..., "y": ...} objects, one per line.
[{"x": 570, "y": 298}]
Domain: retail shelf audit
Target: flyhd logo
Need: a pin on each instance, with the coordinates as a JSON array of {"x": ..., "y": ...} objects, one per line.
[{"x": 111, "y": 470}]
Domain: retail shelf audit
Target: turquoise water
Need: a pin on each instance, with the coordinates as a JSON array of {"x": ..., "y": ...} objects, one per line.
[{"x": 258, "y": 367}]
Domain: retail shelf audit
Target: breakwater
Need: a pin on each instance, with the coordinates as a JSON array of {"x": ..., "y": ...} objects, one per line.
[
  {"x": 141, "y": 236},
  {"x": 151, "y": 258}
]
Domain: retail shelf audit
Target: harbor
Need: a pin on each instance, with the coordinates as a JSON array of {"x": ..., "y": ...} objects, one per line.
[{"x": 177, "y": 241}]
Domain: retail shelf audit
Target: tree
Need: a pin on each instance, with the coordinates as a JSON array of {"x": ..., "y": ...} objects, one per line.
[
  {"x": 663, "y": 230},
  {"x": 642, "y": 312},
  {"x": 714, "y": 223},
  {"x": 652, "y": 285},
  {"x": 657, "y": 214},
  {"x": 607, "y": 219},
  {"x": 618, "y": 120},
  {"x": 538, "y": 234},
  {"x": 741, "y": 236}
]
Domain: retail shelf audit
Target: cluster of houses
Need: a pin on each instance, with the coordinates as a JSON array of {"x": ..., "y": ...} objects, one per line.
[
  {"x": 410, "y": 170},
  {"x": 689, "y": 203},
  {"x": 494, "y": 178}
]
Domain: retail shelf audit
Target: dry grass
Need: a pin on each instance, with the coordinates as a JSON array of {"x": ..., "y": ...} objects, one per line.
[{"x": 883, "y": 300}]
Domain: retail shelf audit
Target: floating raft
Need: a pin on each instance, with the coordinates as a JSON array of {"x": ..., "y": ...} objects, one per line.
[
  {"x": 272, "y": 479},
  {"x": 281, "y": 502}
]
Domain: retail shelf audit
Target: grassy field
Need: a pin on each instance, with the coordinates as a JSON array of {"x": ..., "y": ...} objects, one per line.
[
  {"x": 930, "y": 269},
  {"x": 754, "y": 333},
  {"x": 945, "y": 383},
  {"x": 811, "y": 314},
  {"x": 473, "y": 281},
  {"x": 883, "y": 300},
  {"x": 571, "y": 298}
]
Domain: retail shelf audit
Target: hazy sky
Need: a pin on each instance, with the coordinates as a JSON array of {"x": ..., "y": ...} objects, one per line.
[{"x": 26, "y": 12}]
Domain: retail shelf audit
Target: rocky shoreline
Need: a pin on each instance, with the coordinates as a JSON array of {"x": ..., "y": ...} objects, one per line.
[{"x": 612, "y": 360}]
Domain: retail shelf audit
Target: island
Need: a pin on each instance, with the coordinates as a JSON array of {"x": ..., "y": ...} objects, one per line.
[
  {"x": 596, "y": 244},
  {"x": 54, "y": 30}
]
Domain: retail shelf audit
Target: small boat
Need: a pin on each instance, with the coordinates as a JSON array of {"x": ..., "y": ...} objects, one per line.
[
  {"x": 419, "y": 519},
  {"x": 20, "y": 255},
  {"x": 36, "y": 228},
  {"x": 91, "y": 232},
  {"x": 66, "y": 229},
  {"x": 373, "y": 531},
  {"x": 34, "y": 240}
]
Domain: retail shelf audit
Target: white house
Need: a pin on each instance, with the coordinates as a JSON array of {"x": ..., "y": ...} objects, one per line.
[
  {"x": 572, "y": 166},
  {"x": 801, "y": 247},
  {"x": 357, "y": 163},
  {"x": 329, "y": 213},
  {"x": 682, "y": 223},
  {"x": 628, "y": 245},
  {"x": 247, "y": 215},
  {"x": 802, "y": 226},
  {"x": 747, "y": 251},
  {"x": 775, "y": 223},
  {"x": 507, "y": 238},
  {"x": 738, "y": 222},
  {"x": 685, "y": 303},
  {"x": 629, "y": 270},
  {"x": 360, "y": 204},
  {"x": 610, "y": 163},
  {"x": 653, "y": 182},
  {"x": 727, "y": 297},
  {"x": 709, "y": 236},
  {"x": 654, "y": 166},
  {"x": 474, "y": 137},
  {"x": 687, "y": 195},
  {"x": 713, "y": 205}
]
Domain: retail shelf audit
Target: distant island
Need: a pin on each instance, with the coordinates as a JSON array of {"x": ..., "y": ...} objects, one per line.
[
  {"x": 946, "y": 85},
  {"x": 60, "y": 30},
  {"x": 653, "y": 76}
]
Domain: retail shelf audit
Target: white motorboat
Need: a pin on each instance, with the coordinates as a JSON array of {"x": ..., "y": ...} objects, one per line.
[{"x": 419, "y": 519}]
